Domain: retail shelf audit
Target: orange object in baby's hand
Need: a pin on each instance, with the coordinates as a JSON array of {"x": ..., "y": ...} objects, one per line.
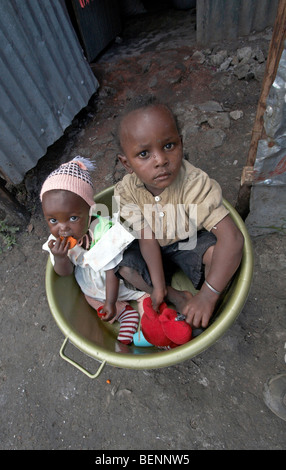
[{"x": 72, "y": 241}]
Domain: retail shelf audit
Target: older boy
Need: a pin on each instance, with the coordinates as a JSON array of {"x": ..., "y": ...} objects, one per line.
[{"x": 159, "y": 177}]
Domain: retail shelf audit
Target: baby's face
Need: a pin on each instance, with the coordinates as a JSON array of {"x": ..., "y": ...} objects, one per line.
[
  {"x": 66, "y": 213},
  {"x": 152, "y": 147}
]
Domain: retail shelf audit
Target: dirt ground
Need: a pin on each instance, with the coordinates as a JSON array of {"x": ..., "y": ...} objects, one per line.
[{"x": 212, "y": 401}]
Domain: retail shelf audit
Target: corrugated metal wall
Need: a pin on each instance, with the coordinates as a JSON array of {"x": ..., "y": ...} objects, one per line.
[
  {"x": 99, "y": 22},
  {"x": 228, "y": 19},
  {"x": 45, "y": 81}
]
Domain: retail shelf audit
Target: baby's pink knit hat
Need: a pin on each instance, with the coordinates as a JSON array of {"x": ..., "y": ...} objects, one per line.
[{"x": 72, "y": 176}]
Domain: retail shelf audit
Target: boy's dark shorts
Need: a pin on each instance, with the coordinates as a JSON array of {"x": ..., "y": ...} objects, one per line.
[{"x": 174, "y": 258}]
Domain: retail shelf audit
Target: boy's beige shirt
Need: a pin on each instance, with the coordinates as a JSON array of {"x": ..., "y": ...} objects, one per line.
[{"x": 192, "y": 202}]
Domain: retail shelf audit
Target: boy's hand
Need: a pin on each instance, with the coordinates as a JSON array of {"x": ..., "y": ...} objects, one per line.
[
  {"x": 158, "y": 295},
  {"x": 225, "y": 259},
  {"x": 199, "y": 309}
]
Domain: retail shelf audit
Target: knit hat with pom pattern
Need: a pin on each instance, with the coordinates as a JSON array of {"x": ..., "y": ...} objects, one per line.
[{"x": 72, "y": 176}]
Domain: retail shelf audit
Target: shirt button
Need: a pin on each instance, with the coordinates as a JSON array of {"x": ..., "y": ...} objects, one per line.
[
  {"x": 161, "y": 214},
  {"x": 157, "y": 198}
]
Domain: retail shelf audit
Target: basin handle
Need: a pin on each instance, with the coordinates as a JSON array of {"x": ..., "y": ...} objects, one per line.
[{"x": 78, "y": 366}]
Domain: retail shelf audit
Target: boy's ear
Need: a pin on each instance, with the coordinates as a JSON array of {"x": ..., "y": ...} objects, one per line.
[{"x": 125, "y": 163}]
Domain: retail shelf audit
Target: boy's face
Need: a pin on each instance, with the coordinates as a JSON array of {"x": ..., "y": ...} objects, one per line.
[
  {"x": 152, "y": 147},
  {"x": 66, "y": 213}
]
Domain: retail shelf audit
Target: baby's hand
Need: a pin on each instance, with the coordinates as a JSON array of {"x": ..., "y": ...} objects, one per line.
[
  {"x": 107, "y": 312},
  {"x": 59, "y": 247}
]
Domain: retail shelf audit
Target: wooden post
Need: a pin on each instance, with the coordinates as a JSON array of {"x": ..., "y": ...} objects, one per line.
[{"x": 274, "y": 54}]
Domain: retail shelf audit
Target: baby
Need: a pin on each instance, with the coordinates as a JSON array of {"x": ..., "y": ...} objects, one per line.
[{"x": 68, "y": 207}]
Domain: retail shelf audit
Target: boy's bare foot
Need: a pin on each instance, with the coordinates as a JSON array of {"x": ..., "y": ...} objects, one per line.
[{"x": 179, "y": 298}]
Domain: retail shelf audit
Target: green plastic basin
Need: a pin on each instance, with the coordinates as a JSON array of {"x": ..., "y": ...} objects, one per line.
[{"x": 81, "y": 326}]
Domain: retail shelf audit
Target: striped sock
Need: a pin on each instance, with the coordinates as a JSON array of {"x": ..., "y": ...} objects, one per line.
[{"x": 129, "y": 320}]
